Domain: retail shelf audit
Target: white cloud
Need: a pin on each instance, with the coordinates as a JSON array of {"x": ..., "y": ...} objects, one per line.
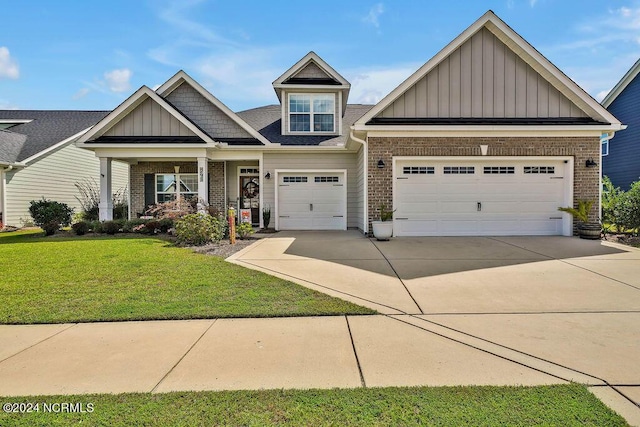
[
  {"x": 118, "y": 80},
  {"x": 8, "y": 66},
  {"x": 600, "y": 95},
  {"x": 369, "y": 86},
  {"x": 81, "y": 93},
  {"x": 532, "y": 3},
  {"x": 374, "y": 14}
]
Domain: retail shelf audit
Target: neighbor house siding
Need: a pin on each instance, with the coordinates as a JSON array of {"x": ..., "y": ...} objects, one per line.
[
  {"x": 622, "y": 164},
  {"x": 149, "y": 119},
  {"x": 314, "y": 161},
  {"x": 586, "y": 180},
  {"x": 138, "y": 171},
  {"x": 204, "y": 114},
  {"x": 53, "y": 177},
  {"x": 361, "y": 177},
  {"x": 482, "y": 78}
]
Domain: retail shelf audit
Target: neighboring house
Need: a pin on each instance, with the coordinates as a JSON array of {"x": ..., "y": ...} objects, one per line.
[
  {"x": 487, "y": 138},
  {"x": 38, "y": 158},
  {"x": 621, "y": 155}
]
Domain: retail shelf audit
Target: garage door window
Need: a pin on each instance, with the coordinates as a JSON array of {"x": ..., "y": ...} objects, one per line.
[
  {"x": 293, "y": 179},
  {"x": 540, "y": 169},
  {"x": 326, "y": 179},
  {"x": 418, "y": 170},
  {"x": 499, "y": 170},
  {"x": 459, "y": 170}
]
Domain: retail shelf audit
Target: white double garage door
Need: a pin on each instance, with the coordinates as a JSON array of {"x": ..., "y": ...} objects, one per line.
[
  {"x": 311, "y": 200},
  {"x": 486, "y": 196}
]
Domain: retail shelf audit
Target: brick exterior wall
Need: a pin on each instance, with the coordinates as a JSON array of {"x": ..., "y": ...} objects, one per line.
[
  {"x": 137, "y": 172},
  {"x": 586, "y": 180}
]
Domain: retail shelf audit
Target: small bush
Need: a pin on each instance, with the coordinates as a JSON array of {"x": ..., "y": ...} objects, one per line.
[
  {"x": 95, "y": 226},
  {"x": 128, "y": 226},
  {"x": 152, "y": 226},
  {"x": 50, "y": 215},
  {"x": 173, "y": 209},
  {"x": 630, "y": 208},
  {"x": 244, "y": 230},
  {"x": 110, "y": 227},
  {"x": 166, "y": 224},
  {"x": 199, "y": 229},
  {"x": 80, "y": 227}
]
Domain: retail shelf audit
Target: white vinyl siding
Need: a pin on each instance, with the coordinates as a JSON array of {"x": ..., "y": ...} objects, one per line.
[
  {"x": 360, "y": 178},
  {"x": 315, "y": 162},
  {"x": 53, "y": 177}
]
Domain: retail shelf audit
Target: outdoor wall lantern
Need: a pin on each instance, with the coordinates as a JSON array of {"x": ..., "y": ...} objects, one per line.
[
  {"x": 591, "y": 163},
  {"x": 267, "y": 175},
  {"x": 380, "y": 164}
]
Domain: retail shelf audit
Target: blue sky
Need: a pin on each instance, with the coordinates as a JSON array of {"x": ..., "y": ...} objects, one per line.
[{"x": 93, "y": 55}]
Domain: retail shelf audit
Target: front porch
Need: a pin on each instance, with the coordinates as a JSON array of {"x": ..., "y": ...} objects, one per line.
[{"x": 216, "y": 184}]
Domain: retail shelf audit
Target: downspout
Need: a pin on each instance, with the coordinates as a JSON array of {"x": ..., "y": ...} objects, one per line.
[
  {"x": 365, "y": 213},
  {"x": 604, "y": 137}
]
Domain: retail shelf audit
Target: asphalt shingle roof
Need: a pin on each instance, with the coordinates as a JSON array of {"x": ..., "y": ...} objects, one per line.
[
  {"x": 267, "y": 120},
  {"x": 46, "y": 129},
  {"x": 10, "y": 146}
]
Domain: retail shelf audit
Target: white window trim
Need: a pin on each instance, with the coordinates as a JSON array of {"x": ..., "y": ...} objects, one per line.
[
  {"x": 177, "y": 192},
  {"x": 604, "y": 143},
  {"x": 311, "y": 114}
]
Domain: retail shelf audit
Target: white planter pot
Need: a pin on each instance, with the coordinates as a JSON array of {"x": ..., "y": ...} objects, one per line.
[{"x": 382, "y": 230}]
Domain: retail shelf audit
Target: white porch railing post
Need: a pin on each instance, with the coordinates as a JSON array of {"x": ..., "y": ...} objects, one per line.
[
  {"x": 106, "y": 195},
  {"x": 203, "y": 184}
]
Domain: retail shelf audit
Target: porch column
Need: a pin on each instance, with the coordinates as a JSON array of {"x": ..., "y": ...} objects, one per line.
[
  {"x": 203, "y": 184},
  {"x": 106, "y": 195}
]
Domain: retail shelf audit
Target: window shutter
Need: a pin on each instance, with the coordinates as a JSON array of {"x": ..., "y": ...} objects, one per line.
[{"x": 149, "y": 190}]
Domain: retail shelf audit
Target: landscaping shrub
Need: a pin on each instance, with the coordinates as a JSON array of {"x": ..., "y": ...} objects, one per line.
[
  {"x": 152, "y": 226},
  {"x": 96, "y": 226},
  {"x": 166, "y": 224},
  {"x": 612, "y": 198},
  {"x": 630, "y": 208},
  {"x": 89, "y": 198},
  {"x": 244, "y": 230},
  {"x": 199, "y": 229},
  {"x": 50, "y": 215},
  {"x": 80, "y": 227},
  {"x": 111, "y": 227},
  {"x": 130, "y": 225},
  {"x": 173, "y": 209}
]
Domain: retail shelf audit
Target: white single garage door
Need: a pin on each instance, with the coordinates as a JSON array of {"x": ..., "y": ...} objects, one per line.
[
  {"x": 452, "y": 197},
  {"x": 312, "y": 200}
]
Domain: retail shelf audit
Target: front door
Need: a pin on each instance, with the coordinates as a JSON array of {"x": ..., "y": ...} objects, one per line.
[{"x": 250, "y": 196}]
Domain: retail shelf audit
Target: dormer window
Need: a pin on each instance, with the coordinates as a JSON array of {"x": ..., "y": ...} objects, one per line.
[{"x": 312, "y": 113}]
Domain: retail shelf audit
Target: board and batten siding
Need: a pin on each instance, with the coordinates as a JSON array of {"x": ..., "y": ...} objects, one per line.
[
  {"x": 482, "y": 78},
  {"x": 314, "y": 162},
  {"x": 149, "y": 119},
  {"x": 53, "y": 177}
]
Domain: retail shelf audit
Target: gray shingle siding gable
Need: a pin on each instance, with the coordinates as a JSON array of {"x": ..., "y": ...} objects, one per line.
[
  {"x": 204, "y": 114},
  {"x": 622, "y": 164}
]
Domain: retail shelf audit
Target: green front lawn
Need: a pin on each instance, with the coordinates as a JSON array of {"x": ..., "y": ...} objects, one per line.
[
  {"x": 83, "y": 279},
  {"x": 563, "y": 405}
]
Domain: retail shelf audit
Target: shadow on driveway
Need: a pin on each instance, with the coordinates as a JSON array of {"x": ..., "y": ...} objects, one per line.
[{"x": 414, "y": 257}]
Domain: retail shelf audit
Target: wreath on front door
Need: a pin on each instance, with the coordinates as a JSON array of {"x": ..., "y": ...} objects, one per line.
[{"x": 250, "y": 190}]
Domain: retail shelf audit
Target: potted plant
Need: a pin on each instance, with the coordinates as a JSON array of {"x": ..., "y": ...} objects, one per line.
[
  {"x": 266, "y": 216},
  {"x": 383, "y": 229},
  {"x": 586, "y": 229}
]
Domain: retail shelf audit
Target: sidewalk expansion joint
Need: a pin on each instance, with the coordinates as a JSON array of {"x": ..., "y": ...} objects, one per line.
[
  {"x": 614, "y": 388},
  {"x": 397, "y": 275},
  {"x": 182, "y": 357},
  {"x": 492, "y": 352},
  {"x": 355, "y": 353},
  {"x": 39, "y": 342}
]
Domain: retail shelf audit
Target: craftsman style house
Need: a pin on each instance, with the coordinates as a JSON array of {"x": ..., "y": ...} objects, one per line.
[{"x": 486, "y": 138}]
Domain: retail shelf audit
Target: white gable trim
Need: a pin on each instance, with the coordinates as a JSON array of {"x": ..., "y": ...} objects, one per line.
[
  {"x": 311, "y": 57},
  {"x": 523, "y": 49},
  {"x": 181, "y": 77},
  {"x": 129, "y": 105},
  {"x": 622, "y": 84}
]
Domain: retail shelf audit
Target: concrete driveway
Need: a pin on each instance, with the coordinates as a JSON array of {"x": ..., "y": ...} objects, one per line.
[{"x": 567, "y": 307}]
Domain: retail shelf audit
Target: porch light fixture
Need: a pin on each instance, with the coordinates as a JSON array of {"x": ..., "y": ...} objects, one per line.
[
  {"x": 380, "y": 164},
  {"x": 267, "y": 175},
  {"x": 590, "y": 163}
]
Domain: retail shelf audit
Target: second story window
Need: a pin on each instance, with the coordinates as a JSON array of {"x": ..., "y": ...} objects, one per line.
[{"x": 311, "y": 113}]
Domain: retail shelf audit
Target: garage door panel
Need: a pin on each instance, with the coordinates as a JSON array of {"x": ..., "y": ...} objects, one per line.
[
  {"x": 512, "y": 202},
  {"x": 311, "y": 201}
]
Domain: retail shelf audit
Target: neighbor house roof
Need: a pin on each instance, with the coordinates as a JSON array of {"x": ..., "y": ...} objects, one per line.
[
  {"x": 268, "y": 121},
  {"x": 622, "y": 84},
  {"x": 44, "y": 130}
]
